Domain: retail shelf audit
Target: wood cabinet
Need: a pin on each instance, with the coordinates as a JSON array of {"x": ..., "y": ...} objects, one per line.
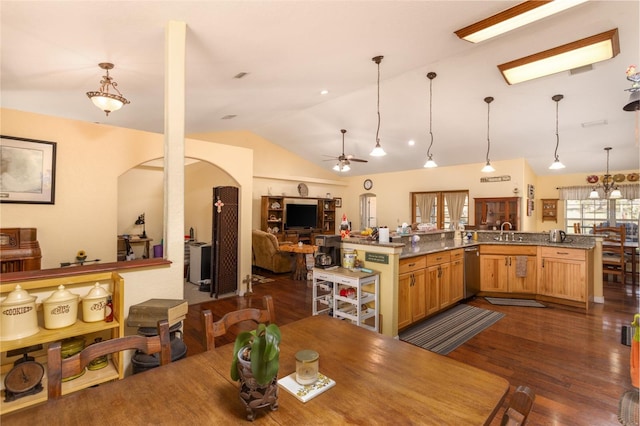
[
  {"x": 411, "y": 290},
  {"x": 457, "y": 276},
  {"x": 80, "y": 285},
  {"x": 327, "y": 215},
  {"x": 438, "y": 281},
  {"x": 564, "y": 274},
  {"x": 272, "y": 216},
  {"x": 429, "y": 284},
  {"x": 508, "y": 269},
  {"x": 549, "y": 209},
  {"x": 494, "y": 211}
]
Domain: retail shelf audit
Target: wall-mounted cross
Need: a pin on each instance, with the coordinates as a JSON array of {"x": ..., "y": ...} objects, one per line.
[{"x": 219, "y": 204}]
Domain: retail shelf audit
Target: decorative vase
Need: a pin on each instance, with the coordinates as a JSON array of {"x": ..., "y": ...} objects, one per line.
[{"x": 253, "y": 395}]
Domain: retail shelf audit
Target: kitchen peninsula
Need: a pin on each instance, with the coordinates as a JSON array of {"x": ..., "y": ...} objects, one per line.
[{"x": 430, "y": 270}]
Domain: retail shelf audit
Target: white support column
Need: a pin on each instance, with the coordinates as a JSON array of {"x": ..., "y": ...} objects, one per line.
[{"x": 174, "y": 145}]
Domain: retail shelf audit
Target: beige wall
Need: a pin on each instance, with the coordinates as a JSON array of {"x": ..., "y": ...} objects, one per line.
[
  {"x": 392, "y": 189},
  {"x": 90, "y": 159},
  {"x": 278, "y": 171}
]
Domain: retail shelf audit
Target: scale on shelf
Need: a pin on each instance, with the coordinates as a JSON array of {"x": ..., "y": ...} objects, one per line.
[{"x": 25, "y": 378}]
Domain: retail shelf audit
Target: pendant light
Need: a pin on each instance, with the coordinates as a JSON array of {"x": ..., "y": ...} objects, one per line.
[
  {"x": 557, "y": 164},
  {"x": 430, "y": 164},
  {"x": 378, "y": 151},
  {"x": 105, "y": 98},
  {"x": 487, "y": 167}
]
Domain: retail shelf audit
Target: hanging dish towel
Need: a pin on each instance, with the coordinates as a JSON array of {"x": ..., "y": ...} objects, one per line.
[{"x": 521, "y": 266}]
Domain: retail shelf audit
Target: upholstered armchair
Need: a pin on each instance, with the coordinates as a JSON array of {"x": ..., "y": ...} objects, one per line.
[{"x": 266, "y": 254}]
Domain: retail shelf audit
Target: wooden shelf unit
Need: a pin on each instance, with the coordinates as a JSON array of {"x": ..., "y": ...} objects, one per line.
[
  {"x": 80, "y": 285},
  {"x": 494, "y": 211},
  {"x": 273, "y": 208},
  {"x": 549, "y": 209}
]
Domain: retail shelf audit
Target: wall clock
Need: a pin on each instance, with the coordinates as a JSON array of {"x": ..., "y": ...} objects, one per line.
[{"x": 368, "y": 184}]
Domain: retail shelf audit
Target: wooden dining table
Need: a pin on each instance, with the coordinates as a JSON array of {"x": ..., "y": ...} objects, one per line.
[{"x": 379, "y": 380}]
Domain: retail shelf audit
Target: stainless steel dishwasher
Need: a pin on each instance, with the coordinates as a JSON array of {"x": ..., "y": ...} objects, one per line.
[{"x": 471, "y": 271}]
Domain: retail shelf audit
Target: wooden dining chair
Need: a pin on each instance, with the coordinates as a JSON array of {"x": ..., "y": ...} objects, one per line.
[
  {"x": 613, "y": 257},
  {"x": 219, "y": 328},
  {"x": 519, "y": 407},
  {"x": 58, "y": 368}
]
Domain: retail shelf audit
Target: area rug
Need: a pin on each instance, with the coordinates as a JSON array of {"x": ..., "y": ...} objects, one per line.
[
  {"x": 260, "y": 279},
  {"x": 514, "y": 302},
  {"x": 628, "y": 409},
  {"x": 448, "y": 330}
]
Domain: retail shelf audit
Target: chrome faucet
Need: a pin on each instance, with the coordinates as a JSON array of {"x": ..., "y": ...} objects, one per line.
[{"x": 502, "y": 229}]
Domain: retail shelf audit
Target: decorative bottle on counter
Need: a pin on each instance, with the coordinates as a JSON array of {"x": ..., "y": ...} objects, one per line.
[{"x": 108, "y": 310}]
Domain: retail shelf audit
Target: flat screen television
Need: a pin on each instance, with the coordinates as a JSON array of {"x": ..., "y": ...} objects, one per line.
[{"x": 301, "y": 215}]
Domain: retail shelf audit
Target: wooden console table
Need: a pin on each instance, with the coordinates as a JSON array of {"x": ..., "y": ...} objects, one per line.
[{"x": 136, "y": 241}]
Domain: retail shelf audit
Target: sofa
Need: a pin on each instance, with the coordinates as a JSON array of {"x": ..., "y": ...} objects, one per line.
[{"x": 266, "y": 254}]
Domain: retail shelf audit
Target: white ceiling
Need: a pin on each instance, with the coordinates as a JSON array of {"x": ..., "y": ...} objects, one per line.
[{"x": 293, "y": 49}]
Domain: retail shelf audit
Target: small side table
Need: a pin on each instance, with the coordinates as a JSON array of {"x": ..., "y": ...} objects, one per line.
[
  {"x": 136, "y": 241},
  {"x": 300, "y": 270}
]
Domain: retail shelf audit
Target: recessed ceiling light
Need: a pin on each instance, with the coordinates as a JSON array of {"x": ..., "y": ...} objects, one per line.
[
  {"x": 229, "y": 116},
  {"x": 412, "y": 142},
  {"x": 324, "y": 92},
  {"x": 240, "y": 75}
]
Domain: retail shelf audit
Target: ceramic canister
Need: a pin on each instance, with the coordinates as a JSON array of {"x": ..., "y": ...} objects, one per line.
[
  {"x": 60, "y": 309},
  {"x": 18, "y": 313},
  {"x": 93, "y": 304},
  {"x": 348, "y": 258}
]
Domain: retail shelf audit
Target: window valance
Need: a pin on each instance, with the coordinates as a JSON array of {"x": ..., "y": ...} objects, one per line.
[{"x": 581, "y": 192}]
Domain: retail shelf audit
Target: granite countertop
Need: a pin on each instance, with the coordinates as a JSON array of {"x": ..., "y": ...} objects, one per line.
[
  {"x": 433, "y": 241},
  {"x": 433, "y": 247}
]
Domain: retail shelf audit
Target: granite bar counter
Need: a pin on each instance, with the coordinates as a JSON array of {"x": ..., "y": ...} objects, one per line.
[{"x": 385, "y": 257}]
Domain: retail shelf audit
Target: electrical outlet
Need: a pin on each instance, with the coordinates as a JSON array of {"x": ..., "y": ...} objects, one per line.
[{"x": 442, "y": 235}]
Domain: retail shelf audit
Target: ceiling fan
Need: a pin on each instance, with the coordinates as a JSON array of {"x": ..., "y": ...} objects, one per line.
[{"x": 344, "y": 160}]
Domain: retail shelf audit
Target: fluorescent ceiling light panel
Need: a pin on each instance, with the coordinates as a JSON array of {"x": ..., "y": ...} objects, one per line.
[
  {"x": 599, "y": 47},
  {"x": 515, "y": 17}
]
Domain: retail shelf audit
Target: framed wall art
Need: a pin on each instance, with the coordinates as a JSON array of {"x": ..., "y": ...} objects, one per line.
[
  {"x": 338, "y": 202},
  {"x": 28, "y": 171}
]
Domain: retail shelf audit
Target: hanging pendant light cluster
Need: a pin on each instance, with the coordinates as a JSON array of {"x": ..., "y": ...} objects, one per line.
[
  {"x": 430, "y": 164},
  {"x": 378, "y": 151},
  {"x": 488, "y": 168},
  {"x": 608, "y": 185},
  {"x": 557, "y": 164},
  {"x": 105, "y": 98}
]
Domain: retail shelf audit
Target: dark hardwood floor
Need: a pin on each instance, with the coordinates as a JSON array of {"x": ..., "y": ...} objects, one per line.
[{"x": 573, "y": 360}]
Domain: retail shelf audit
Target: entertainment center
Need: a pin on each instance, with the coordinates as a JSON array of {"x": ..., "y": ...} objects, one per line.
[{"x": 303, "y": 214}]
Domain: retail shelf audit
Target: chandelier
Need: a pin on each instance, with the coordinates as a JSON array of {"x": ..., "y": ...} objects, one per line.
[
  {"x": 105, "y": 98},
  {"x": 608, "y": 186}
]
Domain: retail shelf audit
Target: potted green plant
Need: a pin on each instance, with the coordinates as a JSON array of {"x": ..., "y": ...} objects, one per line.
[{"x": 256, "y": 360}]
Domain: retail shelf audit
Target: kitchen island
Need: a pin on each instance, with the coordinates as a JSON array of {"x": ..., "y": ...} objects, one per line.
[{"x": 563, "y": 273}]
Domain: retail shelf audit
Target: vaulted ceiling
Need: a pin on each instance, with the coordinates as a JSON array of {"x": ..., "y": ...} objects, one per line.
[{"x": 291, "y": 50}]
